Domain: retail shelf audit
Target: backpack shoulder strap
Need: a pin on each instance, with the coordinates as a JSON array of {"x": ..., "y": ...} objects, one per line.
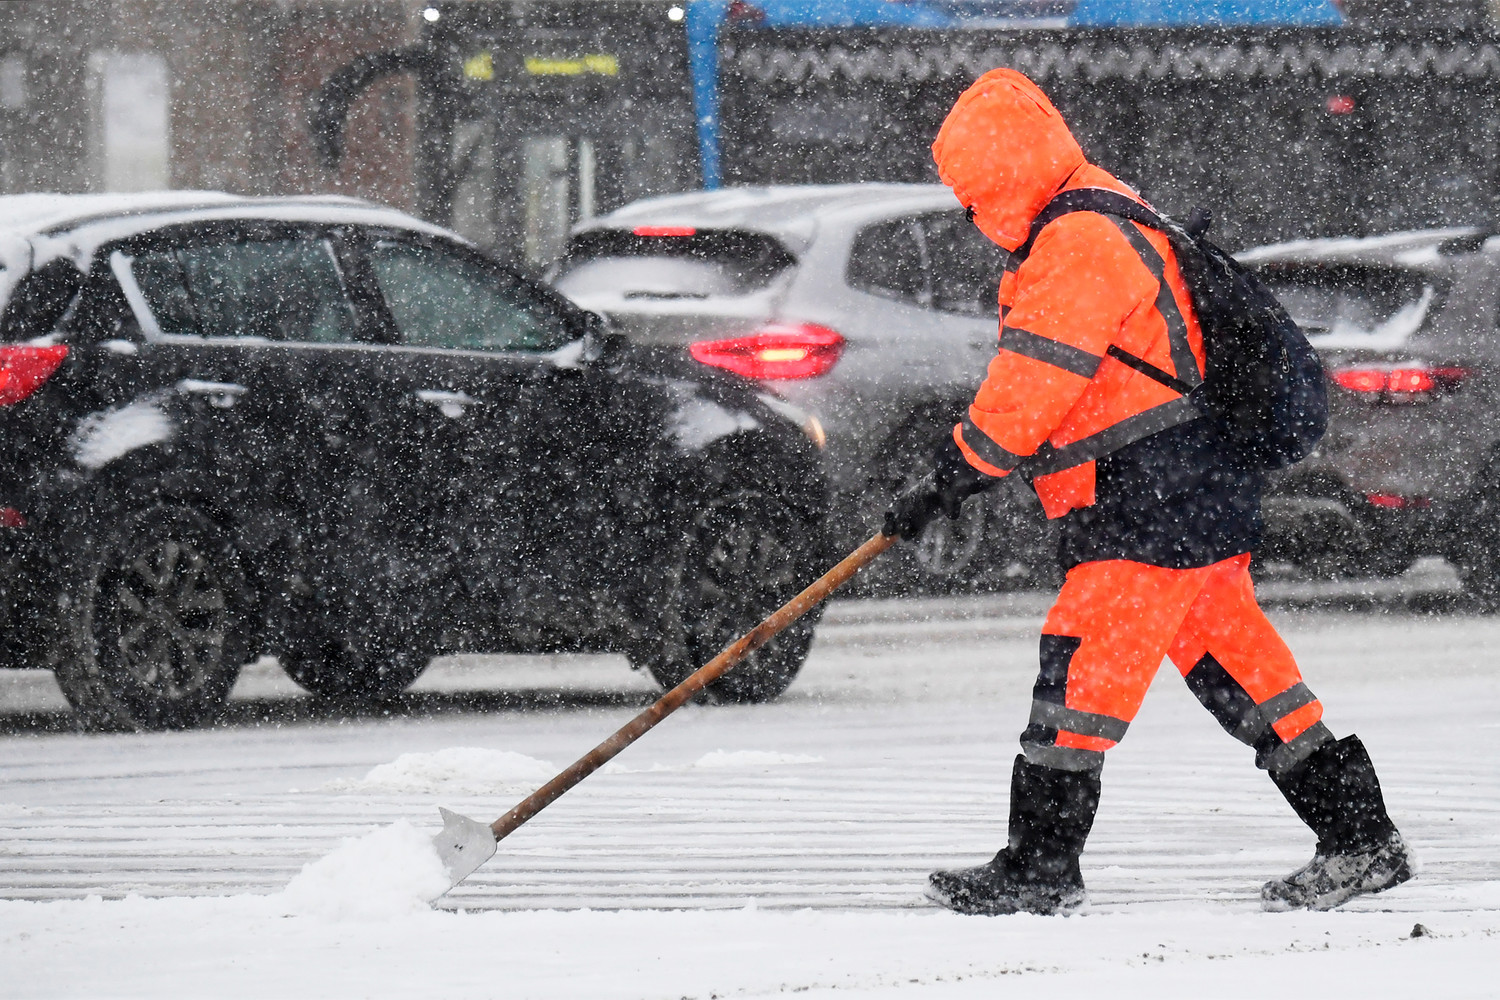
[
  {"x": 1117, "y": 207},
  {"x": 1098, "y": 200}
]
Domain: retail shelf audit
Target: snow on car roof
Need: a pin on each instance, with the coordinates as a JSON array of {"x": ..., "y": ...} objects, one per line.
[
  {"x": 29, "y": 214},
  {"x": 787, "y": 211},
  {"x": 1393, "y": 247},
  {"x": 38, "y": 228},
  {"x": 52, "y": 214}
]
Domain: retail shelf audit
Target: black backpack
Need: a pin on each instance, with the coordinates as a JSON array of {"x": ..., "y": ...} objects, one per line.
[{"x": 1264, "y": 383}]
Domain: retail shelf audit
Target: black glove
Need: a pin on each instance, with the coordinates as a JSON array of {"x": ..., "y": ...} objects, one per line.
[
  {"x": 912, "y": 510},
  {"x": 953, "y": 480}
]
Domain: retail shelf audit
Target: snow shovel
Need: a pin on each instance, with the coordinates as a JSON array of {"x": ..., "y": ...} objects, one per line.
[{"x": 464, "y": 844}]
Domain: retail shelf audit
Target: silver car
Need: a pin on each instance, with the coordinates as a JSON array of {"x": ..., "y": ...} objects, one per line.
[{"x": 873, "y": 306}]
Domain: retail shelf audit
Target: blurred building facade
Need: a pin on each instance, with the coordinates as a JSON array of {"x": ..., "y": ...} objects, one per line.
[
  {"x": 110, "y": 95},
  {"x": 541, "y": 112}
]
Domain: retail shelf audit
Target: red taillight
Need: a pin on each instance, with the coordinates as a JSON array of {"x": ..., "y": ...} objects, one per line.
[
  {"x": 1360, "y": 379},
  {"x": 1394, "y": 501},
  {"x": 664, "y": 231},
  {"x": 778, "y": 351},
  {"x": 1399, "y": 382},
  {"x": 24, "y": 368}
]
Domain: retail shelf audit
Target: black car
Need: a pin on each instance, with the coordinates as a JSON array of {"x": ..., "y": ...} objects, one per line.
[{"x": 331, "y": 432}]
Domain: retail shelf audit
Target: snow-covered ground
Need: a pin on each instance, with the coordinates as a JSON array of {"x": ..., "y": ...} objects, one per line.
[{"x": 745, "y": 852}]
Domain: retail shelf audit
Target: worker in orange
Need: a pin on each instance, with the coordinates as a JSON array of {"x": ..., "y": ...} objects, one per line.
[{"x": 1086, "y": 397}]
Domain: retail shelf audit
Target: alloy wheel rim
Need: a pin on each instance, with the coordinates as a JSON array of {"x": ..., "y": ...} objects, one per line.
[
  {"x": 948, "y": 546},
  {"x": 168, "y": 618}
]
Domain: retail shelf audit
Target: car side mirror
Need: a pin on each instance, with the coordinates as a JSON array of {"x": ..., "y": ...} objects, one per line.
[{"x": 600, "y": 342}]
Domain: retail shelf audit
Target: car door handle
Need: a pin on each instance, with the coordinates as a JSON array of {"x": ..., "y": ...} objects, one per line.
[
  {"x": 220, "y": 394},
  {"x": 449, "y": 403}
]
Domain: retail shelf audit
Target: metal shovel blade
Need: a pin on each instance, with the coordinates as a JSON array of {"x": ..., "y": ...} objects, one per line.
[{"x": 463, "y": 844}]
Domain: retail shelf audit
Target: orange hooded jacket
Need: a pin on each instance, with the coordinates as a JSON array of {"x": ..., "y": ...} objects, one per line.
[{"x": 1060, "y": 391}]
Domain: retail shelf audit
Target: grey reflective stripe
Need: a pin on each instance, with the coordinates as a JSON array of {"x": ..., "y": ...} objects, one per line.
[
  {"x": 1295, "y": 697},
  {"x": 1297, "y": 749},
  {"x": 1055, "y": 716},
  {"x": 1063, "y": 758},
  {"x": 1166, "y": 303},
  {"x": 982, "y": 445},
  {"x": 1249, "y": 730},
  {"x": 1049, "y": 459},
  {"x": 1048, "y": 351}
]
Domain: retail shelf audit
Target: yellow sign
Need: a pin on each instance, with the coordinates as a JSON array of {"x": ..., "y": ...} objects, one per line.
[
  {"x": 596, "y": 65},
  {"x": 480, "y": 67}
]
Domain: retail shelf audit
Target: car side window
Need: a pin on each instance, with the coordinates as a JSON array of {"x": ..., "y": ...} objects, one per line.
[
  {"x": 887, "y": 259},
  {"x": 441, "y": 298},
  {"x": 965, "y": 265},
  {"x": 271, "y": 289}
]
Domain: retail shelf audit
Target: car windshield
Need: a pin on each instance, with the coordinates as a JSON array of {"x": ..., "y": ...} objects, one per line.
[
  {"x": 1347, "y": 306},
  {"x": 679, "y": 263}
]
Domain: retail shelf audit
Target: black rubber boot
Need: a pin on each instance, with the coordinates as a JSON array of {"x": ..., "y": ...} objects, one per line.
[
  {"x": 1336, "y": 793},
  {"x": 1051, "y": 812}
]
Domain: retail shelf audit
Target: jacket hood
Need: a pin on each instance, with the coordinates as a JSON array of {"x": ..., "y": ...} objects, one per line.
[{"x": 1005, "y": 151}]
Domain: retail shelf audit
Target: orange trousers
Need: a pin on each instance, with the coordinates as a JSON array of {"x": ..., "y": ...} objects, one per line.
[{"x": 1105, "y": 638}]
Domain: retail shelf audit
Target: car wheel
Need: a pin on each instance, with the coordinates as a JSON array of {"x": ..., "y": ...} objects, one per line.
[
  {"x": 741, "y": 557},
  {"x": 1475, "y": 546},
  {"x": 156, "y": 632}
]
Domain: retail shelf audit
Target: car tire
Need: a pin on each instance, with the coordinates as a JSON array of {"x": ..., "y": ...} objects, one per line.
[
  {"x": 1474, "y": 549},
  {"x": 740, "y": 557},
  {"x": 155, "y": 629}
]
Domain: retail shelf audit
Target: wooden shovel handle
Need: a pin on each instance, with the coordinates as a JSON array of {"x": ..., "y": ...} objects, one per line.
[{"x": 697, "y": 681}]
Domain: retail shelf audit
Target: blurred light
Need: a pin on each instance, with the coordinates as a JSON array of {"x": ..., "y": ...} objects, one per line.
[
  {"x": 1394, "y": 501},
  {"x": 664, "y": 231},
  {"x": 674, "y": 13},
  {"x": 776, "y": 351},
  {"x": 1340, "y": 104},
  {"x": 11, "y": 518},
  {"x": 1400, "y": 383},
  {"x": 813, "y": 428},
  {"x": 480, "y": 67},
  {"x": 1410, "y": 380},
  {"x": 1360, "y": 379},
  {"x": 24, "y": 368},
  {"x": 432, "y": 14}
]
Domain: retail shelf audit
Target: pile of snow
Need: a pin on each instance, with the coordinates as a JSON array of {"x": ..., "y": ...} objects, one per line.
[
  {"x": 749, "y": 759},
  {"x": 454, "y": 771},
  {"x": 390, "y": 872},
  {"x": 477, "y": 771},
  {"x": 721, "y": 760}
]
